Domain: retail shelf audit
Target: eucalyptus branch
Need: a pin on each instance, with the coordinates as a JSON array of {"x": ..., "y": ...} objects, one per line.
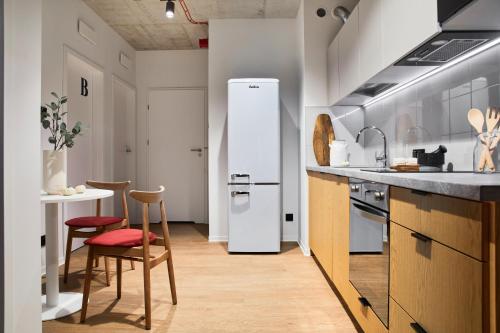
[{"x": 53, "y": 121}]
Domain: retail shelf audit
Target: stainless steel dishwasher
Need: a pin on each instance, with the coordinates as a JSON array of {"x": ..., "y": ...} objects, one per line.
[{"x": 369, "y": 244}]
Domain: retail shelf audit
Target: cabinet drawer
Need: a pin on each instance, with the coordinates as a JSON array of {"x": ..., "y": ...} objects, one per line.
[
  {"x": 400, "y": 321},
  {"x": 365, "y": 316},
  {"x": 458, "y": 223},
  {"x": 437, "y": 286}
]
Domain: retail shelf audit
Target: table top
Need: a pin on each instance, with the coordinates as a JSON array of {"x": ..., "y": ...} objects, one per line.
[{"x": 89, "y": 194}]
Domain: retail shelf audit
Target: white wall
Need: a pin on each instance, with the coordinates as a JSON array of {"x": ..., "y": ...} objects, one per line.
[
  {"x": 21, "y": 156},
  {"x": 59, "y": 31},
  {"x": 318, "y": 34},
  {"x": 163, "y": 69},
  {"x": 315, "y": 35},
  {"x": 253, "y": 48}
]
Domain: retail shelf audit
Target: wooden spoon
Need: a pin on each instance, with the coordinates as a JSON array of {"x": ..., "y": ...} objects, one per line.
[{"x": 476, "y": 119}]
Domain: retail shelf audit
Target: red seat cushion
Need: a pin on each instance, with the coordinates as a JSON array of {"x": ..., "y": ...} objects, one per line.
[
  {"x": 93, "y": 221},
  {"x": 120, "y": 238}
]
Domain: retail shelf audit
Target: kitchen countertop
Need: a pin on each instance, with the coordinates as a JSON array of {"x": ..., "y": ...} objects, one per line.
[{"x": 479, "y": 187}]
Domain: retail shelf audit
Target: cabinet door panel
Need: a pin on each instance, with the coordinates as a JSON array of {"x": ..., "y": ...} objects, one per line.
[
  {"x": 437, "y": 286},
  {"x": 405, "y": 25},
  {"x": 458, "y": 223},
  {"x": 340, "y": 269},
  {"x": 370, "y": 38},
  {"x": 320, "y": 220},
  {"x": 349, "y": 55},
  {"x": 333, "y": 72}
]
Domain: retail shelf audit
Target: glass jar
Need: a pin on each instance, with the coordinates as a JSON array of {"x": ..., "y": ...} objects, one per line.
[{"x": 480, "y": 162}]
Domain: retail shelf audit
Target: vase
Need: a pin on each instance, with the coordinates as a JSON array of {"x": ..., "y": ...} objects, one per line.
[
  {"x": 54, "y": 171},
  {"x": 479, "y": 163}
]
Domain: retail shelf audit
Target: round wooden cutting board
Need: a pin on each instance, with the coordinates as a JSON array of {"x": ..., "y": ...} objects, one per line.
[{"x": 323, "y": 136}]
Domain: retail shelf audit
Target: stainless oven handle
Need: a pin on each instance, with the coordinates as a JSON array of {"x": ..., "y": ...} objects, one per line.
[{"x": 369, "y": 210}]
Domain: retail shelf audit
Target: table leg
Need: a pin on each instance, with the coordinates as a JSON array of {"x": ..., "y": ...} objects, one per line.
[
  {"x": 54, "y": 303},
  {"x": 52, "y": 253}
]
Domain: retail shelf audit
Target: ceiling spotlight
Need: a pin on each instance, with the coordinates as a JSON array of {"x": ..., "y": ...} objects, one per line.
[{"x": 169, "y": 11}]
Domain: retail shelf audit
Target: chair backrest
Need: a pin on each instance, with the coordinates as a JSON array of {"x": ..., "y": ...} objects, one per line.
[
  {"x": 113, "y": 186},
  {"x": 147, "y": 198}
]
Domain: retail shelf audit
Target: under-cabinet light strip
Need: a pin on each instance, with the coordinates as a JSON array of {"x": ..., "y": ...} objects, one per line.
[{"x": 466, "y": 56}]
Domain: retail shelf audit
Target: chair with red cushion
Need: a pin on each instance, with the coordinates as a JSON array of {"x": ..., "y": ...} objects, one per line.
[
  {"x": 100, "y": 223},
  {"x": 133, "y": 244}
]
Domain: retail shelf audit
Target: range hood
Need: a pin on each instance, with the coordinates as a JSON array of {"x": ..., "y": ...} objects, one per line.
[{"x": 465, "y": 26}]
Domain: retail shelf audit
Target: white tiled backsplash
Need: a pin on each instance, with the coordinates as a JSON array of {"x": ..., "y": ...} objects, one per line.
[{"x": 425, "y": 115}]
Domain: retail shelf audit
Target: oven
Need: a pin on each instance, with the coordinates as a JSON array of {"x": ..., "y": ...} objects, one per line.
[{"x": 369, "y": 245}]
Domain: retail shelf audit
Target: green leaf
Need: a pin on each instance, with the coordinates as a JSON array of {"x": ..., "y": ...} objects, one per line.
[
  {"x": 45, "y": 123},
  {"x": 54, "y": 94},
  {"x": 64, "y": 99},
  {"x": 52, "y": 140},
  {"x": 63, "y": 126},
  {"x": 54, "y": 106}
]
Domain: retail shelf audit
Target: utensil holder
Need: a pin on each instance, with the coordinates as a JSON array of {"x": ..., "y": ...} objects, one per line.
[{"x": 480, "y": 166}]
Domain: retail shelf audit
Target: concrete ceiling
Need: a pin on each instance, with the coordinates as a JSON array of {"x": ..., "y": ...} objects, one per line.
[{"x": 143, "y": 23}]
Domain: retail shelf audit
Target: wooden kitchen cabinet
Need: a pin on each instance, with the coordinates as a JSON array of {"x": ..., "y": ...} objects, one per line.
[
  {"x": 439, "y": 287},
  {"x": 321, "y": 200},
  {"x": 329, "y": 225},
  {"x": 400, "y": 321},
  {"x": 340, "y": 233},
  {"x": 458, "y": 223}
]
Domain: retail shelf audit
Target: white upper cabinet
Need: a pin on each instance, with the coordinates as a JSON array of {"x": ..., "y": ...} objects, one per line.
[
  {"x": 370, "y": 37},
  {"x": 348, "y": 39},
  {"x": 405, "y": 25},
  {"x": 377, "y": 34},
  {"x": 333, "y": 72}
]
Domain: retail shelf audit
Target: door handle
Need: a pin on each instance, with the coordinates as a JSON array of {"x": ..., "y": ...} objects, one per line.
[
  {"x": 364, "y": 302},
  {"x": 240, "y": 175},
  {"x": 196, "y": 149},
  {"x": 421, "y": 237},
  {"x": 417, "y": 328},
  {"x": 235, "y": 193}
]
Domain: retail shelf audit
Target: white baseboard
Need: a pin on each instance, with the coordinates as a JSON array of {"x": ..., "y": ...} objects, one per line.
[
  {"x": 305, "y": 250},
  {"x": 215, "y": 239}
]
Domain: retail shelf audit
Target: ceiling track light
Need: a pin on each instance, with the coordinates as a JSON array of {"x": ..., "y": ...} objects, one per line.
[{"x": 170, "y": 9}]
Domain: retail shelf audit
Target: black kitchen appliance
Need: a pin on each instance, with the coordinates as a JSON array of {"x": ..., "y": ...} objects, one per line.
[{"x": 432, "y": 161}]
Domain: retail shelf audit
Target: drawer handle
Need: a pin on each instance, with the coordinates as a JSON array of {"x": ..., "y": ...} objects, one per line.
[
  {"x": 364, "y": 302},
  {"x": 421, "y": 237},
  {"x": 235, "y": 193},
  {"x": 421, "y": 193},
  {"x": 417, "y": 328}
]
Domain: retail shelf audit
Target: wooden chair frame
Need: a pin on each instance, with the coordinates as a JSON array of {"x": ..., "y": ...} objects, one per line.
[
  {"x": 139, "y": 253},
  {"x": 75, "y": 232}
]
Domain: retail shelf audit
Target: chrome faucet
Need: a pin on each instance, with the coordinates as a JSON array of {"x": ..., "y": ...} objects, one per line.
[{"x": 381, "y": 158}]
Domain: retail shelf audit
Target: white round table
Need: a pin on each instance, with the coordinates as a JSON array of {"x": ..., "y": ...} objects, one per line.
[{"x": 56, "y": 304}]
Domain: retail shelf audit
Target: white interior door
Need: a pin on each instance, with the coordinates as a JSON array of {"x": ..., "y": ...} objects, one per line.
[
  {"x": 124, "y": 141},
  {"x": 83, "y": 86},
  {"x": 177, "y": 155}
]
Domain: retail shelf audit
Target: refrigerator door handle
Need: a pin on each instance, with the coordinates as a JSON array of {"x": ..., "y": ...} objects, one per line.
[
  {"x": 235, "y": 193},
  {"x": 240, "y": 175}
]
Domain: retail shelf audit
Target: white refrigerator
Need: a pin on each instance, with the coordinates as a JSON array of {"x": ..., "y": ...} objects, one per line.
[{"x": 254, "y": 165}]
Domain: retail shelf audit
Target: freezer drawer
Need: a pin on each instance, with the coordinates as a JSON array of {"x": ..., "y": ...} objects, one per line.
[{"x": 254, "y": 218}]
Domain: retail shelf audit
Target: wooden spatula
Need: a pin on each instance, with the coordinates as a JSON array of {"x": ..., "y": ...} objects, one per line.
[
  {"x": 492, "y": 118},
  {"x": 476, "y": 119}
]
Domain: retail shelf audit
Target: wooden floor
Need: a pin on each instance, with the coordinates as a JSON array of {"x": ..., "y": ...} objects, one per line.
[{"x": 217, "y": 292}]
